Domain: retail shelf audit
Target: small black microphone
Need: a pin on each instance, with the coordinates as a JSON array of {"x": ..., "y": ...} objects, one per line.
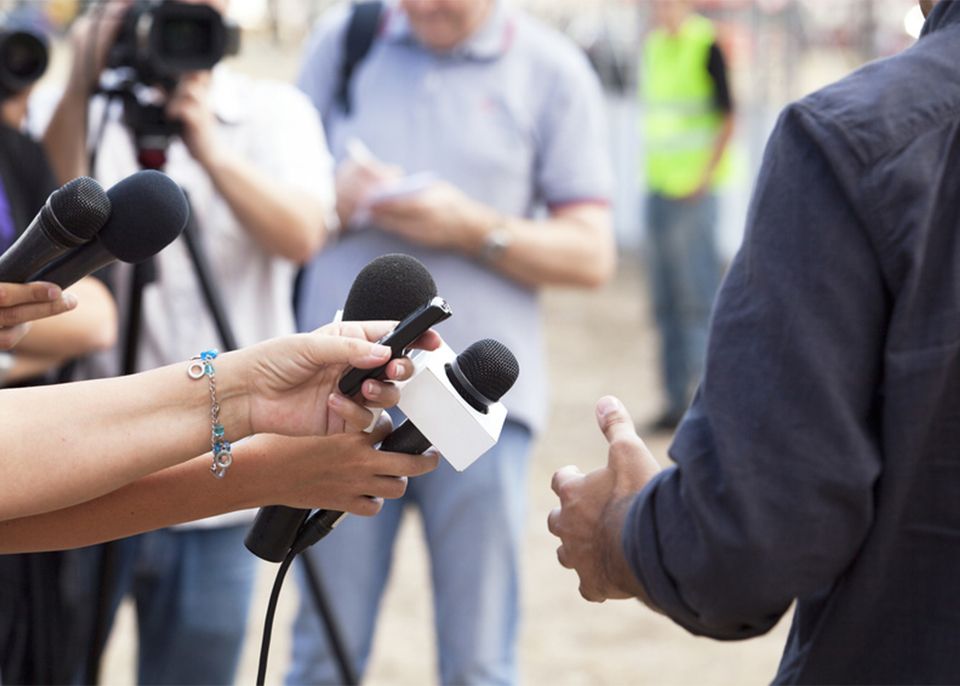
[
  {"x": 389, "y": 288},
  {"x": 149, "y": 212},
  {"x": 71, "y": 217},
  {"x": 481, "y": 374}
]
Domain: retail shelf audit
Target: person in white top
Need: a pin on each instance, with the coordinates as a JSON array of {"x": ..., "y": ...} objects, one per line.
[{"x": 253, "y": 162}]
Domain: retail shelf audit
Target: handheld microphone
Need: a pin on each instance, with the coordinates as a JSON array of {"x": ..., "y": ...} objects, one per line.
[
  {"x": 149, "y": 212},
  {"x": 71, "y": 217},
  {"x": 390, "y": 287},
  {"x": 480, "y": 375}
]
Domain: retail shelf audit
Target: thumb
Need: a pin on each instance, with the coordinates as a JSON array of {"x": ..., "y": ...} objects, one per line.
[
  {"x": 614, "y": 420},
  {"x": 628, "y": 457}
]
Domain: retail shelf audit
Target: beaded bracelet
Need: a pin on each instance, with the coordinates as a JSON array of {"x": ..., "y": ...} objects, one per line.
[{"x": 202, "y": 365}]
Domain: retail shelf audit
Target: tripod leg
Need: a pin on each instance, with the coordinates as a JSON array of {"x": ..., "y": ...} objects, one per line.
[{"x": 347, "y": 673}]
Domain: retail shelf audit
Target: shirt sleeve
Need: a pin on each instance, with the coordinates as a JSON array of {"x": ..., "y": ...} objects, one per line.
[
  {"x": 292, "y": 149},
  {"x": 772, "y": 492},
  {"x": 717, "y": 68},
  {"x": 573, "y": 158}
]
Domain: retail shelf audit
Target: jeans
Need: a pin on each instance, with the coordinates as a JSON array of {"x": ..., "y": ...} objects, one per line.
[
  {"x": 685, "y": 274},
  {"x": 192, "y": 589},
  {"x": 473, "y": 523}
]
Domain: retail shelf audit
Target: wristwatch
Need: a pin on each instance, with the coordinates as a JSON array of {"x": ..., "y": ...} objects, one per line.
[{"x": 495, "y": 244}]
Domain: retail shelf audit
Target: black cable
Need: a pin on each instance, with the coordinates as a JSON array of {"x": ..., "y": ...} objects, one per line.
[{"x": 268, "y": 621}]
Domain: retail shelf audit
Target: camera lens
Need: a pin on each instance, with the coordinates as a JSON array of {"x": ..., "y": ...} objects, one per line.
[
  {"x": 23, "y": 57},
  {"x": 187, "y": 39}
]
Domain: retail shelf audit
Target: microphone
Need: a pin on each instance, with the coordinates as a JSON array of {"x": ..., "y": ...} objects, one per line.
[
  {"x": 390, "y": 287},
  {"x": 480, "y": 375},
  {"x": 149, "y": 212},
  {"x": 71, "y": 216}
]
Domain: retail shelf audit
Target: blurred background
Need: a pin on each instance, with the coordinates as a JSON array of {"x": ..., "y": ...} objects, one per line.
[{"x": 598, "y": 342}]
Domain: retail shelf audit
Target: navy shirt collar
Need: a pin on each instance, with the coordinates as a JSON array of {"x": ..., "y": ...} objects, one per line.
[{"x": 944, "y": 13}]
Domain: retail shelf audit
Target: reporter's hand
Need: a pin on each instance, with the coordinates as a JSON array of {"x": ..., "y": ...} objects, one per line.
[
  {"x": 288, "y": 382},
  {"x": 441, "y": 216},
  {"x": 593, "y": 508},
  {"x": 24, "y": 303},
  {"x": 343, "y": 473},
  {"x": 355, "y": 180}
]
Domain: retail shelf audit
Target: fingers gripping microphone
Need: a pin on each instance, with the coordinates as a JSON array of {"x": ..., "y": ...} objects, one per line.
[
  {"x": 148, "y": 212},
  {"x": 71, "y": 217},
  {"x": 479, "y": 376},
  {"x": 390, "y": 287}
]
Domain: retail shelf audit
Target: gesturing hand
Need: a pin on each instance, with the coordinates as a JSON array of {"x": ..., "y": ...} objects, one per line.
[{"x": 593, "y": 506}]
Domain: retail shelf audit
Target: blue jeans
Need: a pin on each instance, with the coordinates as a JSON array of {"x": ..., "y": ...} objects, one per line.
[
  {"x": 684, "y": 275},
  {"x": 473, "y": 523},
  {"x": 192, "y": 589}
]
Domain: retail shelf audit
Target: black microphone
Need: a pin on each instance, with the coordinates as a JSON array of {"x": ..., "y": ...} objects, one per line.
[
  {"x": 481, "y": 374},
  {"x": 71, "y": 216},
  {"x": 149, "y": 212},
  {"x": 388, "y": 288}
]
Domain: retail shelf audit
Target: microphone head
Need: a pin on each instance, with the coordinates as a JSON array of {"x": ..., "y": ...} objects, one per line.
[
  {"x": 149, "y": 212},
  {"x": 390, "y": 287},
  {"x": 80, "y": 207},
  {"x": 490, "y": 367}
]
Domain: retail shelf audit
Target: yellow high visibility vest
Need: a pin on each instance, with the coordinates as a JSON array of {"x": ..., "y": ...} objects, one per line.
[{"x": 681, "y": 120}]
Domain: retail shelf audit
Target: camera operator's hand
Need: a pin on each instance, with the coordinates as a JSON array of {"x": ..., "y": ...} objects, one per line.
[
  {"x": 23, "y": 303},
  {"x": 190, "y": 105},
  {"x": 91, "y": 36}
]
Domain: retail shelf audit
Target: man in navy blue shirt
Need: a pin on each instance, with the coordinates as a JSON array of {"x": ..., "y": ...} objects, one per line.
[{"x": 820, "y": 460}]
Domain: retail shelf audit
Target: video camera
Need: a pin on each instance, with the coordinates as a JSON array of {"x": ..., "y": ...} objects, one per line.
[
  {"x": 157, "y": 43},
  {"x": 23, "y": 57},
  {"x": 161, "y": 41}
]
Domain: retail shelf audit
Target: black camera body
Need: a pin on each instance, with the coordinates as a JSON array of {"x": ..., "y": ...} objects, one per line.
[
  {"x": 157, "y": 43},
  {"x": 162, "y": 41},
  {"x": 23, "y": 58}
]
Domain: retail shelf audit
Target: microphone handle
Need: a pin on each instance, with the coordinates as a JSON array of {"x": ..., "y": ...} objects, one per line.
[
  {"x": 273, "y": 531},
  {"x": 407, "y": 439},
  {"x": 76, "y": 264},
  {"x": 34, "y": 249}
]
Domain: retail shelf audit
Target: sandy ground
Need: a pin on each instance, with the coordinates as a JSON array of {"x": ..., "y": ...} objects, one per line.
[{"x": 598, "y": 342}]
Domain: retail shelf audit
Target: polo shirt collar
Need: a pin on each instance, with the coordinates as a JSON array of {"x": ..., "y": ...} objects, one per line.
[{"x": 490, "y": 41}]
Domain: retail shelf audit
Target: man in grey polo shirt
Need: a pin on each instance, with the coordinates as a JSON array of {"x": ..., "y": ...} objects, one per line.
[{"x": 500, "y": 121}]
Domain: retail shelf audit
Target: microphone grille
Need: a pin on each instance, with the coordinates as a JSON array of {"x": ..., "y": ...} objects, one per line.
[
  {"x": 490, "y": 366},
  {"x": 149, "y": 212},
  {"x": 389, "y": 287},
  {"x": 81, "y": 207}
]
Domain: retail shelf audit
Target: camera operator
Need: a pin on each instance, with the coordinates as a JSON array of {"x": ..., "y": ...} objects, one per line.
[{"x": 251, "y": 156}]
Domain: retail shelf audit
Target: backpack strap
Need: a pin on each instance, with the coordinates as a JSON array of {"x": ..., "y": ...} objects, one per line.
[{"x": 361, "y": 31}]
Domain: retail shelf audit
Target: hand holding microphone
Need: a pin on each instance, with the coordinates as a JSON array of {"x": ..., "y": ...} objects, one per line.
[
  {"x": 390, "y": 287},
  {"x": 21, "y": 304}
]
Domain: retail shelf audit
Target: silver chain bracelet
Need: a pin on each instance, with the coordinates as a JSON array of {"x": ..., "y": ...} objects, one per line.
[{"x": 202, "y": 365}]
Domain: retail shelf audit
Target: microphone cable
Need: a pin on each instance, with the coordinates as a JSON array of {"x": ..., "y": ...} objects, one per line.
[{"x": 271, "y": 611}]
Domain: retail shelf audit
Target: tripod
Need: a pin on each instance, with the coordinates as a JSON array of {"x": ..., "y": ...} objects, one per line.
[{"x": 152, "y": 142}]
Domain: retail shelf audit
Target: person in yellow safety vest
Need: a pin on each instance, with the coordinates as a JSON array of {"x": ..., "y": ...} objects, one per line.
[{"x": 687, "y": 124}]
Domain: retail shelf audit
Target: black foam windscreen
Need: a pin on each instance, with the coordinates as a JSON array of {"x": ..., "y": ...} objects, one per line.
[
  {"x": 389, "y": 287},
  {"x": 490, "y": 366},
  {"x": 149, "y": 211},
  {"x": 81, "y": 207}
]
